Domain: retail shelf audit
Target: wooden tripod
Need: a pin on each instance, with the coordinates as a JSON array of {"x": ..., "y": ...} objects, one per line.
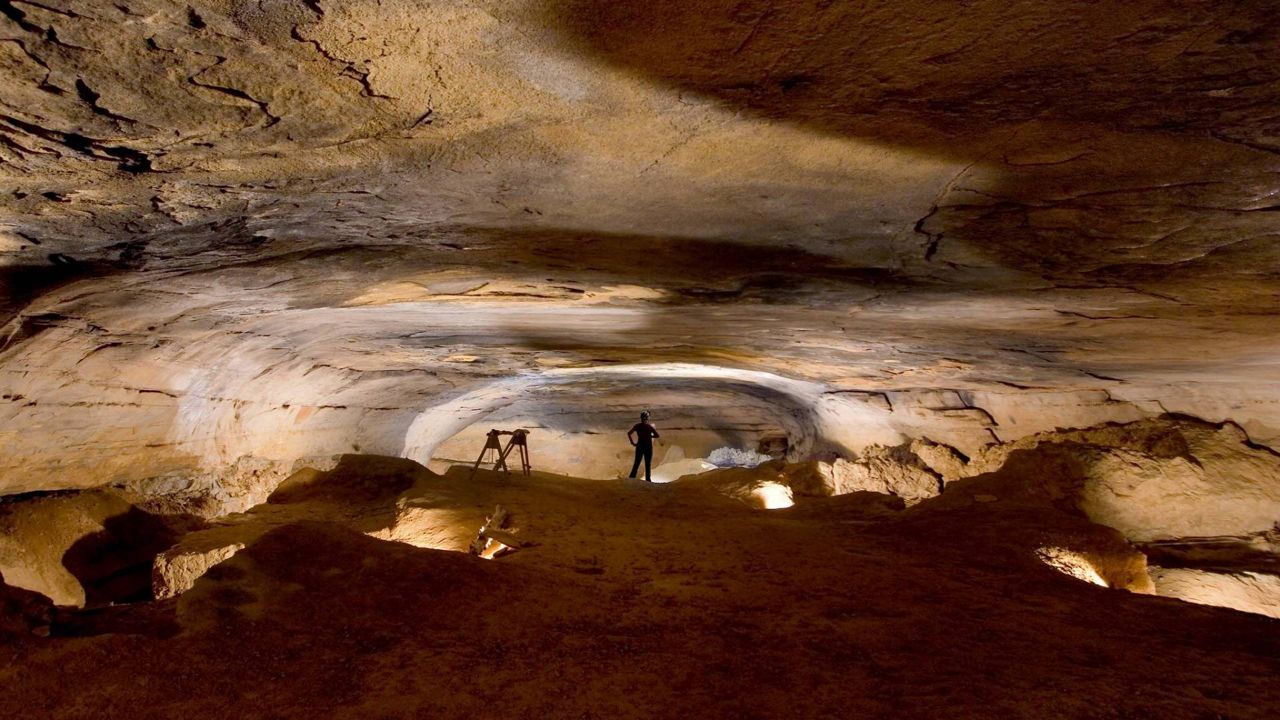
[{"x": 498, "y": 455}]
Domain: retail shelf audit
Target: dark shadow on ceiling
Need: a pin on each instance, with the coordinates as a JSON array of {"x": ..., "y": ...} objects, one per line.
[
  {"x": 20, "y": 284},
  {"x": 944, "y": 75},
  {"x": 697, "y": 270},
  {"x": 1101, "y": 117}
]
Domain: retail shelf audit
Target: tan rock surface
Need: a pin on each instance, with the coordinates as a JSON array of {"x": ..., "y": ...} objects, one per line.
[
  {"x": 235, "y": 235},
  {"x": 637, "y": 598},
  {"x": 84, "y": 548},
  {"x": 1011, "y": 263},
  {"x": 1248, "y": 591}
]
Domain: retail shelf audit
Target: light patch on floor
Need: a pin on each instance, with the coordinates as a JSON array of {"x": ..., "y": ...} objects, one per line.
[{"x": 1069, "y": 562}]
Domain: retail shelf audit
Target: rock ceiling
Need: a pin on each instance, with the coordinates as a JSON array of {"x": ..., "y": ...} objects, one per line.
[{"x": 241, "y": 234}]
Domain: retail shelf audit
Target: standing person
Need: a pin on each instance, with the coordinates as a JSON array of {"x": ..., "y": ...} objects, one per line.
[{"x": 644, "y": 433}]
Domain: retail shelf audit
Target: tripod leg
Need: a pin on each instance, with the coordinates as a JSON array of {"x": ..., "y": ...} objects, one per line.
[
  {"x": 502, "y": 459},
  {"x": 479, "y": 460},
  {"x": 490, "y": 443}
]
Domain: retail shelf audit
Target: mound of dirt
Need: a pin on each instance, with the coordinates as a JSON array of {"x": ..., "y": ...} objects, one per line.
[{"x": 634, "y": 599}]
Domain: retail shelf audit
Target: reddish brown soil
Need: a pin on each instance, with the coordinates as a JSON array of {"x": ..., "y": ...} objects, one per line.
[{"x": 657, "y": 601}]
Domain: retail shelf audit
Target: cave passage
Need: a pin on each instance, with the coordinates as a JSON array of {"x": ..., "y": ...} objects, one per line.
[{"x": 958, "y": 321}]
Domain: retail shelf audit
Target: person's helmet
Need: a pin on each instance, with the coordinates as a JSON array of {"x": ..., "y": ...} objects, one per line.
[{"x": 644, "y": 415}]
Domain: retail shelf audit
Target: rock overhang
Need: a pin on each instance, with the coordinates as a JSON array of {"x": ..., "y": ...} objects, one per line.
[{"x": 984, "y": 223}]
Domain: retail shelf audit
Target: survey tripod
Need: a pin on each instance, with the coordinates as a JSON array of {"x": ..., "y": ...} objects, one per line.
[{"x": 497, "y": 454}]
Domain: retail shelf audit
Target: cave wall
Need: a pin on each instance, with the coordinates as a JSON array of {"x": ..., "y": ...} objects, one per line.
[{"x": 238, "y": 238}]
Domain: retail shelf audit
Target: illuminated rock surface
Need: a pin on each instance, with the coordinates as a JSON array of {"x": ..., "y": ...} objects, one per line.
[
  {"x": 291, "y": 229},
  {"x": 992, "y": 256},
  {"x": 631, "y": 599}
]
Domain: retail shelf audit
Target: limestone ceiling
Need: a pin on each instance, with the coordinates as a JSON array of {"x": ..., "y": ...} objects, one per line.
[{"x": 279, "y": 228}]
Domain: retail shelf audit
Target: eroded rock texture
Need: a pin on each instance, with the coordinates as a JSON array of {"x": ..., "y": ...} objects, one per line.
[
  {"x": 633, "y": 599},
  {"x": 237, "y": 236},
  {"x": 985, "y": 257}
]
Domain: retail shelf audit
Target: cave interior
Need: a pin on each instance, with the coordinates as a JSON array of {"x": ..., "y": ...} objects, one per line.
[{"x": 959, "y": 322}]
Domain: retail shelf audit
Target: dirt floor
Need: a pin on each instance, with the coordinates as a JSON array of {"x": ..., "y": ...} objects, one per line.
[{"x": 634, "y": 600}]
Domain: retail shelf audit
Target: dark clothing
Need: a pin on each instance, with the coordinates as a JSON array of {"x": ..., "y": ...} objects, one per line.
[
  {"x": 646, "y": 452},
  {"x": 645, "y": 433}
]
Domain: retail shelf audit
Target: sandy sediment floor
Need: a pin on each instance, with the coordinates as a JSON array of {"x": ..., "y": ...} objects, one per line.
[{"x": 633, "y": 600}]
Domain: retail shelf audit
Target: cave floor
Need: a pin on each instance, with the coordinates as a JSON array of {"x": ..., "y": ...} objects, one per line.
[{"x": 638, "y": 600}]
